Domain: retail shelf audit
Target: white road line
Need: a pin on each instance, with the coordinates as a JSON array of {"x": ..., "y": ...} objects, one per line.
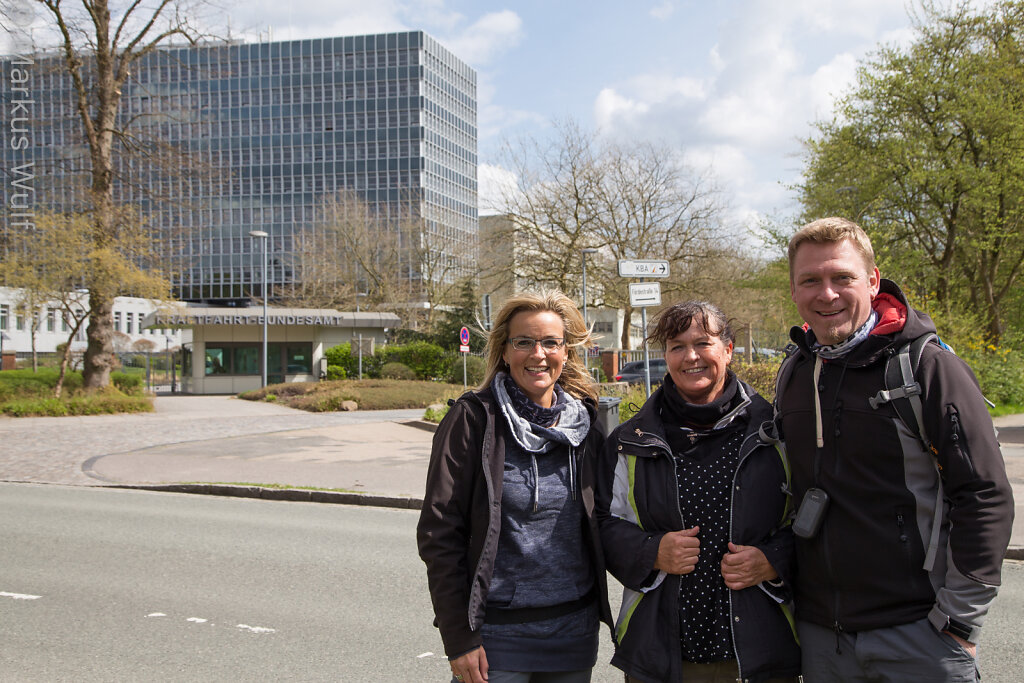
[
  {"x": 196, "y": 620},
  {"x": 425, "y": 654},
  {"x": 156, "y": 614},
  {"x": 19, "y": 596},
  {"x": 256, "y": 629}
]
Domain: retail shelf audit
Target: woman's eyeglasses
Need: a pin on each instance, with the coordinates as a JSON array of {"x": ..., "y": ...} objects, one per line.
[{"x": 549, "y": 344}]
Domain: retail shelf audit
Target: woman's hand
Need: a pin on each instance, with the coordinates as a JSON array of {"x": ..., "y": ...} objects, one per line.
[
  {"x": 470, "y": 667},
  {"x": 678, "y": 551},
  {"x": 745, "y": 566}
]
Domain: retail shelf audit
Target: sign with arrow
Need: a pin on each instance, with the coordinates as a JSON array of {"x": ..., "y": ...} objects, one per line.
[
  {"x": 643, "y": 268},
  {"x": 643, "y": 294}
]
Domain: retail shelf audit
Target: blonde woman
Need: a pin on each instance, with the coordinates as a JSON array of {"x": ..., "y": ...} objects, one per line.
[{"x": 507, "y": 529}]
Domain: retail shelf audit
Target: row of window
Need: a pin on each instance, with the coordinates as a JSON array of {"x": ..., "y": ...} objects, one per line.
[
  {"x": 49, "y": 317},
  {"x": 222, "y": 66},
  {"x": 244, "y": 359},
  {"x": 266, "y": 94}
]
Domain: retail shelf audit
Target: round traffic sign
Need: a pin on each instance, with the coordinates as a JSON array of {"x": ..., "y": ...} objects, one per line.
[{"x": 464, "y": 335}]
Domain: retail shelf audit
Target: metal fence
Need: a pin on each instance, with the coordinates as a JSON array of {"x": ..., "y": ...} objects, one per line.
[{"x": 162, "y": 369}]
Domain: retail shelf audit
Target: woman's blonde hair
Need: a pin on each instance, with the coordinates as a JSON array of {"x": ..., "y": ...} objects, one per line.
[{"x": 574, "y": 378}]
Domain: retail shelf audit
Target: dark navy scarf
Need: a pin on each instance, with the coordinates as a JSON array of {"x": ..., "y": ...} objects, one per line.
[{"x": 530, "y": 411}]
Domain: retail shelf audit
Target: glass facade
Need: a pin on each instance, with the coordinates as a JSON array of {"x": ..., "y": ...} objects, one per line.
[{"x": 270, "y": 130}]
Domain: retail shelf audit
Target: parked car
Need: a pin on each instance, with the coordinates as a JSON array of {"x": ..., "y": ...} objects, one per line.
[{"x": 633, "y": 372}]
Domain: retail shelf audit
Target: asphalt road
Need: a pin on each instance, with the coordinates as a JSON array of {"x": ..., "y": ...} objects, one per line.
[{"x": 115, "y": 585}]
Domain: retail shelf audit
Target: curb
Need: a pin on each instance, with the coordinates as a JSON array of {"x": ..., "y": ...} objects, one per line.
[
  {"x": 333, "y": 498},
  {"x": 294, "y": 495}
]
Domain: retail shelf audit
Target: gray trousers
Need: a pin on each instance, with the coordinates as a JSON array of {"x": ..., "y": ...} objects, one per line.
[{"x": 908, "y": 652}]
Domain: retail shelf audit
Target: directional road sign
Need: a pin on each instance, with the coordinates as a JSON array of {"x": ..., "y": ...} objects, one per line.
[
  {"x": 642, "y": 268},
  {"x": 642, "y": 294}
]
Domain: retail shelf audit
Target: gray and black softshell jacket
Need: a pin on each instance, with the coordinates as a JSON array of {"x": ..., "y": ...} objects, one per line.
[{"x": 866, "y": 567}]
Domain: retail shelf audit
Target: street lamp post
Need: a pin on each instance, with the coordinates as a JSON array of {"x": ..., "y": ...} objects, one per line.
[
  {"x": 169, "y": 360},
  {"x": 263, "y": 235},
  {"x": 586, "y": 323},
  {"x": 359, "y": 294}
]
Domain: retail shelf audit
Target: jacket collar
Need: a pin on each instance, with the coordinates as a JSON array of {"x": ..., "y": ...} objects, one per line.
[
  {"x": 647, "y": 428},
  {"x": 898, "y": 324}
]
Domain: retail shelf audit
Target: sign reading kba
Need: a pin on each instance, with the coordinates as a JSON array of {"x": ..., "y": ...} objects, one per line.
[{"x": 643, "y": 268}]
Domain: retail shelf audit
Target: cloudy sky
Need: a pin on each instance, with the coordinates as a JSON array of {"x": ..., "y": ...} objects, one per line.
[{"x": 734, "y": 84}]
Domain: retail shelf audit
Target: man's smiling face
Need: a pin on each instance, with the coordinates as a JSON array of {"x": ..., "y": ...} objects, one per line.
[{"x": 832, "y": 289}]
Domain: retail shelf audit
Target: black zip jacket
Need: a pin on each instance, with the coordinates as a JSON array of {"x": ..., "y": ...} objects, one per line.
[
  {"x": 865, "y": 568},
  {"x": 460, "y": 520},
  {"x": 638, "y": 502}
]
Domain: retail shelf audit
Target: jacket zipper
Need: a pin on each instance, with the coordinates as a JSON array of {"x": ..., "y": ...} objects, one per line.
[
  {"x": 955, "y": 436},
  {"x": 732, "y": 506},
  {"x": 829, "y": 569},
  {"x": 666, "y": 450}
]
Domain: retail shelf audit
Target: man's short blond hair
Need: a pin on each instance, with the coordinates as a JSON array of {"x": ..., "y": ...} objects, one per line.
[{"x": 833, "y": 230}]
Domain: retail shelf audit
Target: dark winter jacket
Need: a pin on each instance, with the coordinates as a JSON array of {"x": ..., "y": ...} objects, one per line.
[
  {"x": 460, "y": 521},
  {"x": 638, "y": 502},
  {"x": 865, "y": 568}
]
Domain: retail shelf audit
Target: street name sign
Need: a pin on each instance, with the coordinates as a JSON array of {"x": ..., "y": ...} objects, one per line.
[
  {"x": 643, "y": 268},
  {"x": 642, "y": 294}
]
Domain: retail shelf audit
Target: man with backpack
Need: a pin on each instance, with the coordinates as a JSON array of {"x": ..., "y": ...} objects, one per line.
[{"x": 904, "y": 509}]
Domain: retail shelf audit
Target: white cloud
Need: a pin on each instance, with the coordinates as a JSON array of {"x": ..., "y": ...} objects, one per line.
[
  {"x": 773, "y": 69},
  {"x": 487, "y": 37},
  {"x": 663, "y": 10},
  {"x": 293, "y": 20},
  {"x": 495, "y": 184},
  {"x": 612, "y": 109}
]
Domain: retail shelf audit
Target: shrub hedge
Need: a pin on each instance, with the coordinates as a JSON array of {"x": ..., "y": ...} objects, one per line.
[
  {"x": 395, "y": 370},
  {"x": 426, "y": 360},
  {"x": 25, "y": 393}
]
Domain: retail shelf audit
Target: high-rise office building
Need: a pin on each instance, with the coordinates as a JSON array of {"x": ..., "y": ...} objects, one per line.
[{"x": 271, "y": 129}]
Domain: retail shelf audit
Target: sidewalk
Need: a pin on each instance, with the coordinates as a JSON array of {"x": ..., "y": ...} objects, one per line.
[
  {"x": 227, "y": 446},
  {"x": 221, "y": 439}
]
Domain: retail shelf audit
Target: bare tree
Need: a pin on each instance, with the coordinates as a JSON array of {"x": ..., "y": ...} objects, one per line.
[
  {"x": 100, "y": 42},
  {"x": 554, "y": 205},
  {"x": 374, "y": 256},
  {"x": 654, "y": 207},
  {"x": 636, "y": 201}
]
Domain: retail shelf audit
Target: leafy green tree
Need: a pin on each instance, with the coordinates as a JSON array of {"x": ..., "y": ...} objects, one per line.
[
  {"x": 927, "y": 154},
  {"x": 47, "y": 265}
]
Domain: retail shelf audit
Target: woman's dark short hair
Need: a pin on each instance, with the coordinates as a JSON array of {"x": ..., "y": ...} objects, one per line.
[{"x": 677, "y": 318}]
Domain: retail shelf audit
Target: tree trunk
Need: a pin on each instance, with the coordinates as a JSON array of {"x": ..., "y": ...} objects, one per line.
[
  {"x": 34, "y": 327},
  {"x": 66, "y": 359},
  {"x": 99, "y": 357}
]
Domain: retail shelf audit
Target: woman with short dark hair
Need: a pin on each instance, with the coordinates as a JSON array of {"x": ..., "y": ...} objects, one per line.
[{"x": 693, "y": 509}]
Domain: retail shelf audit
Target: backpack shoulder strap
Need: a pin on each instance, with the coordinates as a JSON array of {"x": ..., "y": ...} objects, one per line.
[
  {"x": 771, "y": 431},
  {"x": 904, "y": 392},
  {"x": 902, "y": 388}
]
